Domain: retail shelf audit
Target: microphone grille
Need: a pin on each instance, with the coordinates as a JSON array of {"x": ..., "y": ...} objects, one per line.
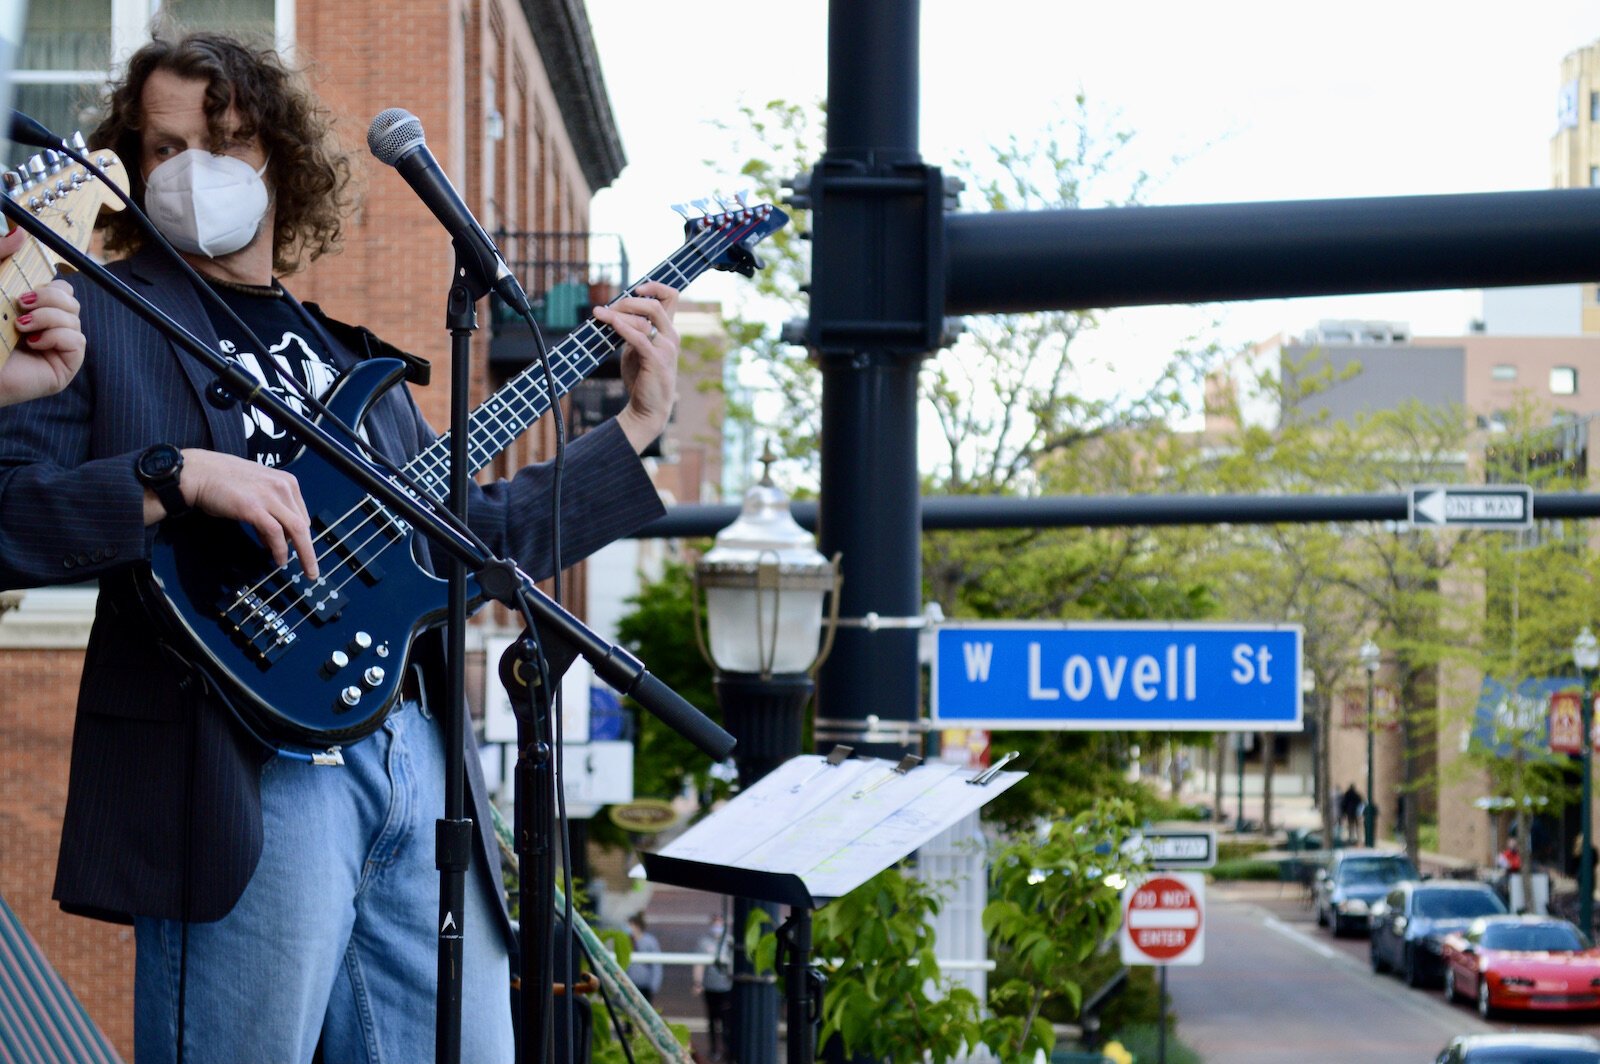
[{"x": 394, "y": 133}]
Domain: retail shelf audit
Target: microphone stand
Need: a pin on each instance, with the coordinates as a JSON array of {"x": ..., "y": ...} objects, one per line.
[
  {"x": 498, "y": 579},
  {"x": 453, "y": 842}
]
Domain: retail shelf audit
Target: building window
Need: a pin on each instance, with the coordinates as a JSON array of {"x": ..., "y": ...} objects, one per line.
[
  {"x": 68, "y": 46},
  {"x": 1594, "y": 107},
  {"x": 1504, "y": 372},
  {"x": 1563, "y": 380},
  {"x": 251, "y": 20},
  {"x": 1594, "y": 177},
  {"x": 66, "y": 49}
]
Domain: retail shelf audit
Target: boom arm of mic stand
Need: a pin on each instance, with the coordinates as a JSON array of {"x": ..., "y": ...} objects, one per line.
[
  {"x": 239, "y": 383},
  {"x": 612, "y": 664}
]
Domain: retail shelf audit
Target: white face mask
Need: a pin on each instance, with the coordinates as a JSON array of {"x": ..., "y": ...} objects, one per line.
[{"x": 206, "y": 204}]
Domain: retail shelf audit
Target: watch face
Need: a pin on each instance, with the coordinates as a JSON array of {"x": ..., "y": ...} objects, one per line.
[{"x": 160, "y": 461}]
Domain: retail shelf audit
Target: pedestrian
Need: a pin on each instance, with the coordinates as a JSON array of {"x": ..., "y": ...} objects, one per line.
[
  {"x": 1350, "y": 805},
  {"x": 646, "y": 975},
  {"x": 715, "y": 982}
]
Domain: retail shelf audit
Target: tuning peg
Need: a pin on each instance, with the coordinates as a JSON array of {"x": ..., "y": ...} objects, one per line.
[
  {"x": 683, "y": 210},
  {"x": 36, "y": 167},
  {"x": 53, "y": 160},
  {"x": 78, "y": 142},
  {"x": 12, "y": 180},
  {"x": 702, "y": 205}
]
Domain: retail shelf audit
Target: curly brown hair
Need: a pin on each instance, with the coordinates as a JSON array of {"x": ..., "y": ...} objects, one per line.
[{"x": 308, "y": 169}]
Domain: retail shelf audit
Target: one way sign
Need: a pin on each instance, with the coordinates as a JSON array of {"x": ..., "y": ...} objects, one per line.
[{"x": 1503, "y": 506}]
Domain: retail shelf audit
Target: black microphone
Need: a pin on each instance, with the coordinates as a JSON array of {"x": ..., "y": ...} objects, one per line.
[
  {"x": 395, "y": 138},
  {"x": 25, "y": 130}
]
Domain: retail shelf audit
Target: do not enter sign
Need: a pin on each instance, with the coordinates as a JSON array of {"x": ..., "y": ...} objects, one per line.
[{"x": 1163, "y": 920}]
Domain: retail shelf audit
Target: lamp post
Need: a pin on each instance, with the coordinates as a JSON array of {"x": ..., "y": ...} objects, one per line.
[
  {"x": 1371, "y": 657},
  {"x": 764, "y": 584},
  {"x": 1586, "y": 655}
]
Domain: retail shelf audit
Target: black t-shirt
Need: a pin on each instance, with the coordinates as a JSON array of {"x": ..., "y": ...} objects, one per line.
[{"x": 295, "y": 348}]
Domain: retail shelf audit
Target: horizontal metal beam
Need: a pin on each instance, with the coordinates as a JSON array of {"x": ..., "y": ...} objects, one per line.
[
  {"x": 947, "y": 513},
  {"x": 1012, "y": 261}
]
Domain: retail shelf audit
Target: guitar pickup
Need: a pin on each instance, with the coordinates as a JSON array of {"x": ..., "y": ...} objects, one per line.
[{"x": 356, "y": 539}]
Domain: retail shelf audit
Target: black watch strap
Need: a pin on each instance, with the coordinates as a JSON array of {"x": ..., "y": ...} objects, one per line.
[{"x": 158, "y": 468}]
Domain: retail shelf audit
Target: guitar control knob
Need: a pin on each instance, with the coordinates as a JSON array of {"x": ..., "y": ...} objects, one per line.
[
  {"x": 350, "y": 695},
  {"x": 373, "y": 676},
  {"x": 336, "y": 661},
  {"x": 360, "y": 642}
]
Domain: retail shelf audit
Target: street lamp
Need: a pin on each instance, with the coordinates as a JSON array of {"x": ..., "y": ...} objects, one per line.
[
  {"x": 764, "y": 584},
  {"x": 1371, "y": 657},
  {"x": 1586, "y": 655}
]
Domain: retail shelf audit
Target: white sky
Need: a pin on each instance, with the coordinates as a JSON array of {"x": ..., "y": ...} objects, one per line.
[{"x": 1268, "y": 100}]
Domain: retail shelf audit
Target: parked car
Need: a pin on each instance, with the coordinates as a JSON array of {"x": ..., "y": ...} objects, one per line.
[
  {"x": 1409, "y": 925},
  {"x": 1520, "y": 1048},
  {"x": 1522, "y": 962},
  {"x": 1352, "y": 882}
]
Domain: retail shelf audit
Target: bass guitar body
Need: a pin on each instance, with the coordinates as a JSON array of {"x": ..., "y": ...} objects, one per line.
[{"x": 315, "y": 662}]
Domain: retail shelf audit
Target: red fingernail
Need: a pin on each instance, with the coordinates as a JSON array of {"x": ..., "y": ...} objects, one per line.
[
  {"x": 25, "y": 319},
  {"x": 28, "y": 299}
]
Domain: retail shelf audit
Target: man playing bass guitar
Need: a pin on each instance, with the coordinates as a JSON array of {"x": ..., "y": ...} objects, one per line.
[{"x": 276, "y": 903}]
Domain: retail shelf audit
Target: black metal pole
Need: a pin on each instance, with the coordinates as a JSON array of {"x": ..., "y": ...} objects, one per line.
[
  {"x": 1161, "y": 1021},
  {"x": 453, "y": 840},
  {"x": 949, "y": 513},
  {"x": 767, "y": 717},
  {"x": 798, "y": 983},
  {"x": 866, "y": 238},
  {"x": 1013, "y": 261},
  {"x": 1369, "y": 815},
  {"x": 1238, "y": 763},
  {"x": 1586, "y": 861}
]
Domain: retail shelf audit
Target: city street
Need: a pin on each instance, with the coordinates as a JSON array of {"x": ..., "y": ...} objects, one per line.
[{"x": 1276, "y": 987}]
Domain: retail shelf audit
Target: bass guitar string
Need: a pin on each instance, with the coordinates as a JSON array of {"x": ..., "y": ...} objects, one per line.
[
  {"x": 428, "y": 478},
  {"x": 433, "y": 463}
]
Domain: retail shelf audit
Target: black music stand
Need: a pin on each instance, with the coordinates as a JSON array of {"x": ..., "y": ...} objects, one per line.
[{"x": 841, "y": 822}]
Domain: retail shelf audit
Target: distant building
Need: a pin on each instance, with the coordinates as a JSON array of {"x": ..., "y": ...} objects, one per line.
[{"x": 1575, "y": 161}]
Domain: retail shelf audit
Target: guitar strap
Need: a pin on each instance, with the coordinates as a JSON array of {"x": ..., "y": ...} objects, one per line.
[{"x": 364, "y": 343}]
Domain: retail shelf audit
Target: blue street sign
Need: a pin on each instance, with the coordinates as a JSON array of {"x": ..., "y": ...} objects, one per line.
[{"x": 1117, "y": 677}]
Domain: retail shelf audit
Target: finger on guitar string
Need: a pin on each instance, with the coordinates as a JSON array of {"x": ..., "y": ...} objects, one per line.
[
  {"x": 11, "y": 242},
  {"x": 268, "y": 500}
]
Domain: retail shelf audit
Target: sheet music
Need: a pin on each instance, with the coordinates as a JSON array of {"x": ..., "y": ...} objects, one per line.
[
  {"x": 783, "y": 796},
  {"x": 903, "y": 831},
  {"x": 835, "y": 826}
]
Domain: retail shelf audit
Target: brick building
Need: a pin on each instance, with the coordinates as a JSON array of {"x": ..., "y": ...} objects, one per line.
[{"x": 513, "y": 104}]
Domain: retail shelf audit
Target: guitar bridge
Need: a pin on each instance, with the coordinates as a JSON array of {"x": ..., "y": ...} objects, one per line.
[{"x": 262, "y": 627}]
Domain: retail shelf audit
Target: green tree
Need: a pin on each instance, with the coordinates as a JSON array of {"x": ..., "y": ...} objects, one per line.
[
  {"x": 1055, "y": 900},
  {"x": 659, "y": 630}
]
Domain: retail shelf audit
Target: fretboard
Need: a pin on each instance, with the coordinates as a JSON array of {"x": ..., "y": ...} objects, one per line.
[{"x": 523, "y": 400}]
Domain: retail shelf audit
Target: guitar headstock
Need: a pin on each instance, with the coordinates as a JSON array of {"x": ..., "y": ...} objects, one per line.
[
  {"x": 67, "y": 197},
  {"x": 728, "y": 237}
]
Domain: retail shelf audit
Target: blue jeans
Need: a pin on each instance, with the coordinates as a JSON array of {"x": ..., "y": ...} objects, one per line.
[{"x": 334, "y": 936}]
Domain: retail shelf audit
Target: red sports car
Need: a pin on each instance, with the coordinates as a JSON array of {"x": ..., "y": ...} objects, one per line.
[{"x": 1522, "y": 962}]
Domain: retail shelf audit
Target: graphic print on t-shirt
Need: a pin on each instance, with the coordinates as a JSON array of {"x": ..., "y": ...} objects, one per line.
[{"x": 266, "y": 441}]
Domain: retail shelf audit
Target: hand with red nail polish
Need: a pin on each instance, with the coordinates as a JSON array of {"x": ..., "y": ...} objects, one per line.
[{"x": 51, "y": 344}]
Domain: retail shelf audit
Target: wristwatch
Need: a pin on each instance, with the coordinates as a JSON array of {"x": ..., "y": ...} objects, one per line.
[{"x": 157, "y": 468}]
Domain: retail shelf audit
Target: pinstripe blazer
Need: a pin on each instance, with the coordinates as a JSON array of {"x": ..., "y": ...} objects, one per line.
[{"x": 162, "y": 778}]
